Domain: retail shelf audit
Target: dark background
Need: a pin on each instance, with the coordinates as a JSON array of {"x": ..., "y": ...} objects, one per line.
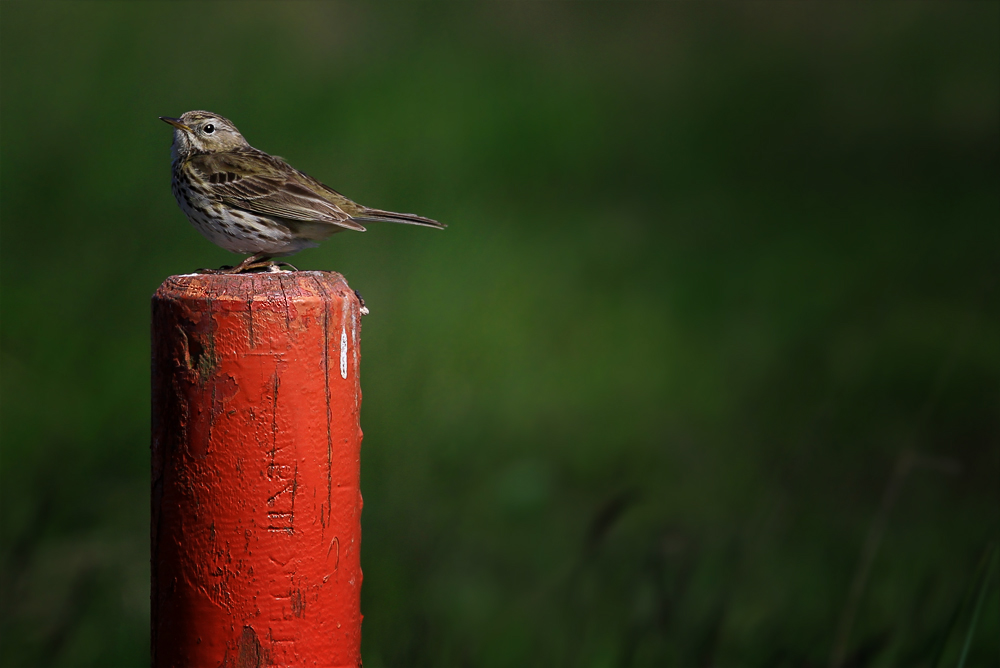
[{"x": 712, "y": 339}]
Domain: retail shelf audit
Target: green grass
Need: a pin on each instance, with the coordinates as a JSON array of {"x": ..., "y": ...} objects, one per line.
[{"x": 709, "y": 273}]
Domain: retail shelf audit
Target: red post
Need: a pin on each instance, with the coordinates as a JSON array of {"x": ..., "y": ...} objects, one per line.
[{"x": 256, "y": 523}]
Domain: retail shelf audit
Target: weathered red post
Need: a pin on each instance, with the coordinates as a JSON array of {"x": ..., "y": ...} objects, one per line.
[{"x": 256, "y": 523}]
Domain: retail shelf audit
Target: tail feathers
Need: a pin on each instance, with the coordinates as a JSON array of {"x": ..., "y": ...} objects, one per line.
[{"x": 377, "y": 215}]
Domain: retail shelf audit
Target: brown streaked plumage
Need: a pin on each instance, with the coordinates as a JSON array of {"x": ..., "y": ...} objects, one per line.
[{"x": 247, "y": 201}]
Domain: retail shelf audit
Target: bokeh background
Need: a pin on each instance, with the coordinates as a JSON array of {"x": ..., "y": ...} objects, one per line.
[{"x": 704, "y": 371}]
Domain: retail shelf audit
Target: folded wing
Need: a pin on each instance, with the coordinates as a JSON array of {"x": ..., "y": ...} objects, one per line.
[{"x": 263, "y": 184}]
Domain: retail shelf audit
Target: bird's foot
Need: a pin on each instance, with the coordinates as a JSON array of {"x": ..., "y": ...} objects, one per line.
[
  {"x": 254, "y": 263},
  {"x": 252, "y": 268},
  {"x": 269, "y": 268}
]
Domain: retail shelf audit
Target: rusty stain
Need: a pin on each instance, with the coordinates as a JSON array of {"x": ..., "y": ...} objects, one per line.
[
  {"x": 298, "y": 603},
  {"x": 204, "y": 360},
  {"x": 251, "y": 654}
]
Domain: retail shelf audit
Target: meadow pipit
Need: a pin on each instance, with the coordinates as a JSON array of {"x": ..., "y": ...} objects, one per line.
[{"x": 247, "y": 201}]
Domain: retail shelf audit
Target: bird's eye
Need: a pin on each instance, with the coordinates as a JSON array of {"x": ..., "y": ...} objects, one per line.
[{"x": 208, "y": 129}]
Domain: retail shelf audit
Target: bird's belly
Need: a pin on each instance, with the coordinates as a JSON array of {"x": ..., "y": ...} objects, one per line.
[{"x": 233, "y": 229}]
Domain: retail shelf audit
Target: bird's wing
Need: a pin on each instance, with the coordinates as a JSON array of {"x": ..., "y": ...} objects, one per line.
[{"x": 264, "y": 184}]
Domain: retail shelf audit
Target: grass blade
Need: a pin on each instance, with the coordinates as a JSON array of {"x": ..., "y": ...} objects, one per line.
[{"x": 983, "y": 587}]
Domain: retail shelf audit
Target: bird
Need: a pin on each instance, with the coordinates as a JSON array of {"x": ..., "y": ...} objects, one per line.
[{"x": 253, "y": 203}]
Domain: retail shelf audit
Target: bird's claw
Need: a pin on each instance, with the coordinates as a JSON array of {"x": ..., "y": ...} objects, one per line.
[{"x": 267, "y": 266}]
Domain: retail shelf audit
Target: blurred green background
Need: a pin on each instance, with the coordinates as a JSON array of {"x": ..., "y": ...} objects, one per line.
[{"x": 704, "y": 371}]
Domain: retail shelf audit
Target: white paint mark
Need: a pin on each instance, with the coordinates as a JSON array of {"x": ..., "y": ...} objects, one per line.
[{"x": 343, "y": 352}]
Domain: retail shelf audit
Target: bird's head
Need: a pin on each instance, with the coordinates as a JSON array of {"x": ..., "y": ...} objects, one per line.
[{"x": 203, "y": 132}]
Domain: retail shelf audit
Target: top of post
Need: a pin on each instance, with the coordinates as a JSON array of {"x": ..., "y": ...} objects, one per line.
[{"x": 275, "y": 287}]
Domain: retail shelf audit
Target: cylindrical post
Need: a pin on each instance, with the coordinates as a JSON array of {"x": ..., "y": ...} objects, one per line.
[{"x": 256, "y": 522}]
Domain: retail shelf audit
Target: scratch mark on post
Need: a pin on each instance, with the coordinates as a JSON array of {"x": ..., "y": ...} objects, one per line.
[
  {"x": 355, "y": 323},
  {"x": 250, "y": 296},
  {"x": 334, "y": 543},
  {"x": 277, "y": 521},
  {"x": 274, "y": 420},
  {"x": 329, "y": 412},
  {"x": 288, "y": 316},
  {"x": 295, "y": 487},
  {"x": 298, "y": 603},
  {"x": 271, "y": 499}
]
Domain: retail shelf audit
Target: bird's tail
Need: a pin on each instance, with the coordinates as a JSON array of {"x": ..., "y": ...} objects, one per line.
[{"x": 377, "y": 215}]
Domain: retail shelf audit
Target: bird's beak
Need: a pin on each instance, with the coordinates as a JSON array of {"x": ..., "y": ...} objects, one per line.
[{"x": 176, "y": 122}]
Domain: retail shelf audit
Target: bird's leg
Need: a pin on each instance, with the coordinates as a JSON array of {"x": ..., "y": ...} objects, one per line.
[
  {"x": 272, "y": 267},
  {"x": 255, "y": 261},
  {"x": 252, "y": 262},
  {"x": 263, "y": 262}
]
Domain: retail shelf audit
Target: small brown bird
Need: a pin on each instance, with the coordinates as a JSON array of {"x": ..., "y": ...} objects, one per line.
[{"x": 247, "y": 201}]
